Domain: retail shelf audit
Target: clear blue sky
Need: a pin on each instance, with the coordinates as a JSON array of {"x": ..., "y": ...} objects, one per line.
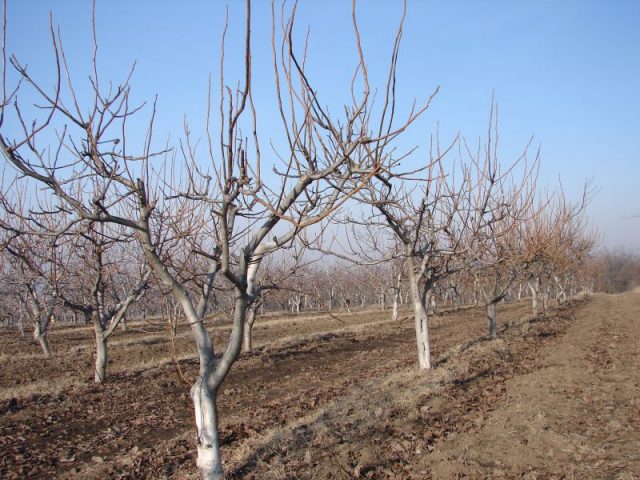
[{"x": 567, "y": 72}]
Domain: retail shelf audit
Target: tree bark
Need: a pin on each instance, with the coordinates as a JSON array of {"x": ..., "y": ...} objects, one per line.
[
  {"x": 209, "y": 461},
  {"x": 42, "y": 338},
  {"x": 247, "y": 335},
  {"x": 534, "y": 287},
  {"x": 491, "y": 319},
  {"x": 396, "y": 297},
  {"x": 101, "y": 355},
  {"x": 394, "y": 311},
  {"x": 434, "y": 305},
  {"x": 420, "y": 318}
]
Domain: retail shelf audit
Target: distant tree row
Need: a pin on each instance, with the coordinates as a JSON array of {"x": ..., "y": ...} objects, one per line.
[{"x": 616, "y": 271}]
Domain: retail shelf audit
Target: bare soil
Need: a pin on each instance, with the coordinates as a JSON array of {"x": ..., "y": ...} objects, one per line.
[{"x": 333, "y": 397}]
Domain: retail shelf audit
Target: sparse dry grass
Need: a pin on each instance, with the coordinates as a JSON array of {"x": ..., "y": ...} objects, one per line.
[
  {"x": 40, "y": 387},
  {"x": 368, "y": 404}
]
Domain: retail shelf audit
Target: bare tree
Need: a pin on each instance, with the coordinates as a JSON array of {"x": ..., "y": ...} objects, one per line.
[
  {"x": 30, "y": 259},
  {"x": 223, "y": 212},
  {"x": 24, "y": 261},
  {"x": 274, "y": 273},
  {"x": 99, "y": 282},
  {"x": 432, "y": 216},
  {"x": 554, "y": 241}
]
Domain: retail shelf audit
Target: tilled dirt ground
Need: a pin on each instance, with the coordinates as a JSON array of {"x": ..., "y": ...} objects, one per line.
[{"x": 340, "y": 397}]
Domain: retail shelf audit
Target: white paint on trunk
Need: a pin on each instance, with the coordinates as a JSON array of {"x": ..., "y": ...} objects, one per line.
[
  {"x": 209, "y": 461},
  {"x": 491, "y": 319},
  {"x": 420, "y": 318},
  {"x": 42, "y": 338},
  {"x": 534, "y": 288},
  {"x": 101, "y": 357},
  {"x": 247, "y": 340}
]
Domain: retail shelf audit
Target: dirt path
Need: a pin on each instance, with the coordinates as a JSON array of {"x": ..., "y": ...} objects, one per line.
[{"x": 575, "y": 415}]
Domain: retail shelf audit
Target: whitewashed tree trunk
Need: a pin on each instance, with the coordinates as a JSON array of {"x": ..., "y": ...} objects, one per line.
[
  {"x": 490, "y": 309},
  {"x": 105, "y": 321},
  {"x": 247, "y": 339},
  {"x": 434, "y": 305},
  {"x": 21, "y": 323},
  {"x": 420, "y": 318},
  {"x": 209, "y": 460},
  {"x": 100, "y": 373},
  {"x": 42, "y": 338},
  {"x": 534, "y": 288},
  {"x": 41, "y": 316},
  {"x": 476, "y": 292},
  {"x": 204, "y": 391},
  {"x": 562, "y": 294},
  {"x": 396, "y": 297},
  {"x": 394, "y": 309},
  {"x": 545, "y": 299}
]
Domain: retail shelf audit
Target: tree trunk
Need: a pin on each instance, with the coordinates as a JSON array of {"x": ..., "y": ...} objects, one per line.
[
  {"x": 213, "y": 371},
  {"x": 534, "y": 287},
  {"x": 396, "y": 297},
  {"x": 491, "y": 318},
  {"x": 420, "y": 318},
  {"x": 562, "y": 294},
  {"x": 100, "y": 373},
  {"x": 42, "y": 338},
  {"x": 101, "y": 357},
  {"x": 21, "y": 324},
  {"x": 394, "y": 311},
  {"x": 476, "y": 292},
  {"x": 209, "y": 461},
  {"x": 247, "y": 334}
]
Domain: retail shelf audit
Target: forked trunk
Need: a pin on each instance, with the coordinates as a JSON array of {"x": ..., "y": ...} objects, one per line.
[
  {"x": 41, "y": 317},
  {"x": 203, "y": 393},
  {"x": 209, "y": 461}
]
